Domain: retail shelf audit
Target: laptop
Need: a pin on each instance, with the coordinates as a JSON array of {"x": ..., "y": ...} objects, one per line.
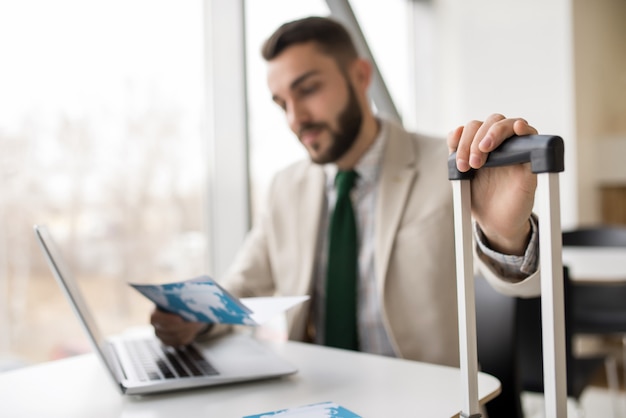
[{"x": 141, "y": 364}]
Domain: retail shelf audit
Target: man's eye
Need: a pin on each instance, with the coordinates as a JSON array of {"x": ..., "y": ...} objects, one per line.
[{"x": 309, "y": 89}]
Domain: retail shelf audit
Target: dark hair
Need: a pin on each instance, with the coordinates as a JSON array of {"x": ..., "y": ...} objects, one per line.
[{"x": 330, "y": 36}]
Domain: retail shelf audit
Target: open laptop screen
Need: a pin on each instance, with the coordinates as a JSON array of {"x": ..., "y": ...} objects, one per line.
[{"x": 72, "y": 291}]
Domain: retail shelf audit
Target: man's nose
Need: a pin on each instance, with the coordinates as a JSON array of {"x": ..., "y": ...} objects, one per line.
[{"x": 297, "y": 114}]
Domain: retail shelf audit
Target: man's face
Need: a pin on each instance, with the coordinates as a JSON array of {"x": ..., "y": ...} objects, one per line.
[{"x": 320, "y": 103}]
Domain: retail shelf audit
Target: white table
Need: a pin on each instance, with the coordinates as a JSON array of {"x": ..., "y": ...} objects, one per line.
[
  {"x": 597, "y": 264},
  {"x": 372, "y": 386}
]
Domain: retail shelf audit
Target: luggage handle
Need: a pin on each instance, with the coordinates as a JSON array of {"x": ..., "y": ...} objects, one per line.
[
  {"x": 543, "y": 152},
  {"x": 545, "y": 155}
]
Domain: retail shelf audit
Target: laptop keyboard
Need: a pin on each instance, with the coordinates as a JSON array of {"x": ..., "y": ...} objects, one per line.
[{"x": 154, "y": 361}]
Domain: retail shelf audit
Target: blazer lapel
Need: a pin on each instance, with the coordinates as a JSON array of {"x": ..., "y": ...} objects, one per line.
[
  {"x": 310, "y": 201},
  {"x": 397, "y": 176}
]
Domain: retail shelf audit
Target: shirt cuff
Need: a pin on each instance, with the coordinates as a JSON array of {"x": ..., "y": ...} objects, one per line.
[{"x": 510, "y": 266}]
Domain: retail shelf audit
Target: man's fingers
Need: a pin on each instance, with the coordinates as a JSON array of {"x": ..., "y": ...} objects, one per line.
[
  {"x": 175, "y": 338},
  {"x": 474, "y": 141},
  {"x": 521, "y": 127},
  {"x": 477, "y": 155},
  {"x": 172, "y": 329},
  {"x": 499, "y": 131},
  {"x": 465, "y": 143},
  {"x": 453, "y": 139}
]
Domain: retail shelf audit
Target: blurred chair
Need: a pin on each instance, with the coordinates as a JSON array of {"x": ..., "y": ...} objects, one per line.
[
  {"x": 581, "y": 371},
  {"x": 510, "y": 348},
  {"x": 598, "y": 236},
  {"x": 599, "y": 307}
]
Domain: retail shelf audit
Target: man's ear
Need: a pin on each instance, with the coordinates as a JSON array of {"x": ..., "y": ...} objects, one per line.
[{"x": 362, "y": 73}]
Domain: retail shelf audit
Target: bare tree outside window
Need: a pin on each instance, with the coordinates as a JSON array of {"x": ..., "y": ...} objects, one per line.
[{"x": 102, "y": 139}]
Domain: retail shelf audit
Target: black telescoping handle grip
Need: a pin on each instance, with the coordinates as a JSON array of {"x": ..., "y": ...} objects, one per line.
[{"x": 543, "y": 152}]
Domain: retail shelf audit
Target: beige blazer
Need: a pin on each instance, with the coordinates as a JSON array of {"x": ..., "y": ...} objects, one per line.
[{"x": 414, "y": 259}]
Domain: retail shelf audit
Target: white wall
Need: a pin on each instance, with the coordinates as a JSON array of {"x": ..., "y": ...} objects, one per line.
[{"x": 506, "y": 56}]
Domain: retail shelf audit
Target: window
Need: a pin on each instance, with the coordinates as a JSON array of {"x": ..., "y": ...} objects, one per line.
[
  {"x": 272, "y": 145},
  {"x": 102, "y": 139}
]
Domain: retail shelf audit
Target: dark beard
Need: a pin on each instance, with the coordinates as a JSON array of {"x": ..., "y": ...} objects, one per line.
[{"x": 349, "y": 125}]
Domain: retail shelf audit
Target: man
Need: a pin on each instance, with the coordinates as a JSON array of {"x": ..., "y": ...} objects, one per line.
[{"x": 405, "y": 292}]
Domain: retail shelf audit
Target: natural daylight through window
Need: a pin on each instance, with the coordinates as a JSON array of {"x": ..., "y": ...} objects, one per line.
[{"x": 101, "y": 132}]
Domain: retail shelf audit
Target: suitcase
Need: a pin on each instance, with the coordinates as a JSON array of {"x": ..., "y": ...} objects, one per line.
[{"x": 545, "y": 155}]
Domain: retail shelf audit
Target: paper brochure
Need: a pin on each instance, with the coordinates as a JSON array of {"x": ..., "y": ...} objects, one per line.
[
  {"x": 202, "y": 299},
  {"x": 319, "y": 410}
]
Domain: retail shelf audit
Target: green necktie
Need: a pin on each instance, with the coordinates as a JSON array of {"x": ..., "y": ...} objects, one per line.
[{"x": 341, "y": 276}]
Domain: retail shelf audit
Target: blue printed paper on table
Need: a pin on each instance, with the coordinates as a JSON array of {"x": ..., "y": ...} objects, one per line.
[
  {"x": 318, "y": 410},
  {"x": 202, "y": 299}
]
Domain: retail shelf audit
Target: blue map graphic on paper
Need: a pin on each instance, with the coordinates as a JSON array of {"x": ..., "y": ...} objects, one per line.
[
  {"x": 200, "y": 300},
  {"x": 319, "y": 410}
]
